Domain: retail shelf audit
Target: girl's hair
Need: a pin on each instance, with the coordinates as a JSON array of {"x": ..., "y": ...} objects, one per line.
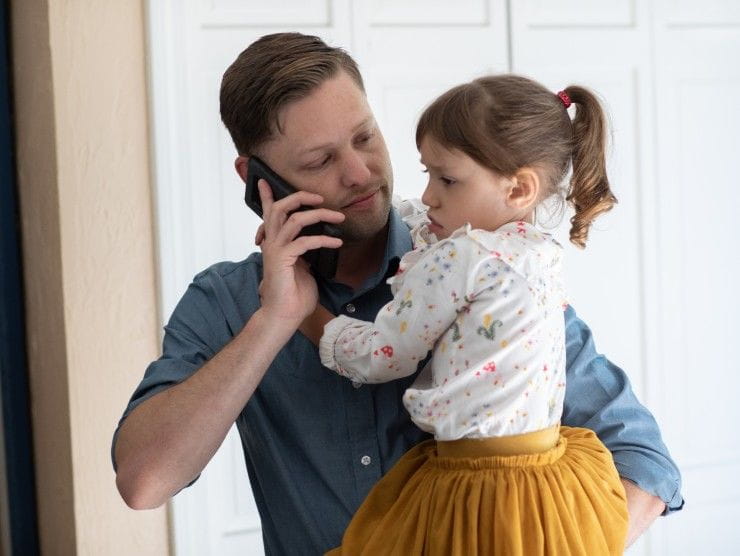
[{"x": 507, "y": 122}]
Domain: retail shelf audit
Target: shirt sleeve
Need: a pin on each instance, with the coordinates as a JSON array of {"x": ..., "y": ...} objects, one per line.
[
  {"x": 405, "y": 329},
  {"x": 599, "y": 397},
  {"x": 196, "y": 330}
]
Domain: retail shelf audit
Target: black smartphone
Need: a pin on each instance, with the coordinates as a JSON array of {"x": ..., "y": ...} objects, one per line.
[{"x": 323, "y": 261}]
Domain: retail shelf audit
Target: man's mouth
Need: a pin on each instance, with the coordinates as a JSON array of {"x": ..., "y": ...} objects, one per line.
[{"x": 362, "y": 199}]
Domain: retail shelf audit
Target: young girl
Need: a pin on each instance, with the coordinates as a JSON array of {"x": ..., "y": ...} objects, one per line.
[{"x": 482, "y": 291}]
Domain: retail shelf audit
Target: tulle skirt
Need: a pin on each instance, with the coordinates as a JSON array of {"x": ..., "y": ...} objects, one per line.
[{"x": 464, "y": 498}]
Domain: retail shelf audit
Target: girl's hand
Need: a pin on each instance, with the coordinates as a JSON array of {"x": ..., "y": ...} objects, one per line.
[{"x": 288, "y": 290}]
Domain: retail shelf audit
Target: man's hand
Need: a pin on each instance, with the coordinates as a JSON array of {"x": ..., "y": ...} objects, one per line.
[
  {"x": 288, "y": 290},
  {"x": 643, "y": 509},
  {"x": 168, "y": 439}
]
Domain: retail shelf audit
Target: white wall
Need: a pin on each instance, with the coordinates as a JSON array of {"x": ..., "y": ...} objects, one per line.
[{"x": 656, "y": 281}]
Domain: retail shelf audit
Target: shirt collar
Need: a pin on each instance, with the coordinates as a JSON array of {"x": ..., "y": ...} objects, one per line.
[{"x": 397, "y": 245}]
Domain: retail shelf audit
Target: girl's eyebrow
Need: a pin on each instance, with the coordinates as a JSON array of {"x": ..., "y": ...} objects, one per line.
[{"x": 432, "y": 166}]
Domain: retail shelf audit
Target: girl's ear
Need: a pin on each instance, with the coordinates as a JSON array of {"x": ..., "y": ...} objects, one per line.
[{"x": 524, "y": 190}]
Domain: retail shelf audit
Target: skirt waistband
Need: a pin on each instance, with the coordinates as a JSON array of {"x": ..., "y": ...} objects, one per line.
[{"x": 518, "y": 444}]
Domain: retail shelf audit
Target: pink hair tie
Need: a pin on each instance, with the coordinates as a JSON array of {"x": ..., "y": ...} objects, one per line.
[{"x": 565, "y": 98}]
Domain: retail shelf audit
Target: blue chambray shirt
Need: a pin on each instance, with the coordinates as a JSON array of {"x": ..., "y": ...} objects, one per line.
[{"x": 315, "y": 444}]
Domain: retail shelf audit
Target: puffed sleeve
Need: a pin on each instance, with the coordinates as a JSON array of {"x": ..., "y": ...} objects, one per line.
[{"x": 405, "y": 330}]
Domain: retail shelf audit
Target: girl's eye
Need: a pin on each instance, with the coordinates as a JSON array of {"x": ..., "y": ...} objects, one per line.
[{"x": 446, "y": 181}]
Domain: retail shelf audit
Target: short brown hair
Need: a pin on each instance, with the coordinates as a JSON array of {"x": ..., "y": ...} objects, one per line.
[
  {"x": 273, "y": 71},
  {"x": 507, "y": 122}
]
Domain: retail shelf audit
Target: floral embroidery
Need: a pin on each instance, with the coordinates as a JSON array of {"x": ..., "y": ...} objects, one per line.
[
  {"x": 385, "y": 350},
  {"x": 501, "y": 293},
  {"x": 487, "y": 329},
  {"x": 405, "y": 303},
  {"x": 456, "y": 332}
]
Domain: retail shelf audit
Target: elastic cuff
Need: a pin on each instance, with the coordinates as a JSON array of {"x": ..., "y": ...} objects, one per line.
[{"x": 328, "y": 341}]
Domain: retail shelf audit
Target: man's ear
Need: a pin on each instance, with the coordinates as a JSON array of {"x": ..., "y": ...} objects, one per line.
[
  {"x": 524, "y": 190},
  {"x": 241, "y": 166}
]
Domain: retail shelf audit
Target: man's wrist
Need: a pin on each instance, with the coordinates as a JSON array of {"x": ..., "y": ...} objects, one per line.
[
  {"x": 277, "y": 324},
  {"x": 643, "y": 508}
]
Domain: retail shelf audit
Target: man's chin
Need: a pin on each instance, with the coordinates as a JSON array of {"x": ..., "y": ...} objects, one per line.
[{"x": 364, "y": 227}]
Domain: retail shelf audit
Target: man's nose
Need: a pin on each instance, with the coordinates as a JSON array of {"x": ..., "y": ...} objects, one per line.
[{"x": 355, "y": 170}]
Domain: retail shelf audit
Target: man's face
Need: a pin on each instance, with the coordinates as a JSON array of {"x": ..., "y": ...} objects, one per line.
[{"x": 331, "y": 145}]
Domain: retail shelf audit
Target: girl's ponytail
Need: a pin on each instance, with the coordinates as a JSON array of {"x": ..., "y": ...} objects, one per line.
[{"x": 589, "y": 191}]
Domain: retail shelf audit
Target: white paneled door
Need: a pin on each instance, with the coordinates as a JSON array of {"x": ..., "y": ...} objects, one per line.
[{"x": 656, "y": 282}]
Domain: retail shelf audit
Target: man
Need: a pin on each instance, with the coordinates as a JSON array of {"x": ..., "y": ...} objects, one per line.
[{"x": 314, "y": 443}]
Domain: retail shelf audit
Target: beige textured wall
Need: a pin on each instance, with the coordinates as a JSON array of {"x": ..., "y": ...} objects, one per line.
[{"x": 83, "y": 165}]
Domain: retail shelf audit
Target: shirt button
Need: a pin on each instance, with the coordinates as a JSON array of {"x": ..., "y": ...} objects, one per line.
[
  {"x": 365, "y": 460},
  {"x": 356, "y": 384},
  {"x": 350, "y": 308}
]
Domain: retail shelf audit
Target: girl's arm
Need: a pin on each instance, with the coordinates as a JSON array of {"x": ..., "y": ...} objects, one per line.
[
  {"x": 313, "y": 326},
  {"x": 406, "y": 329}
]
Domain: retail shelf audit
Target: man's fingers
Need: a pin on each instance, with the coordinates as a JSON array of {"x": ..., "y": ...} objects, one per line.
[
  {"x": 295, "y": 200},
  {"x": 265, "y": 196},
  {"x": 275, "y": 213},
  {"x": 306, "y": 243},
  {"x": 299, "y": 220},
  {"x": 282, "y": 208},
  {"x": 259, "y": 237}
]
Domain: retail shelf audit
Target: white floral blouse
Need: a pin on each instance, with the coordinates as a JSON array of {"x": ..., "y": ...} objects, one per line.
[{"x": 489, "y": 305}]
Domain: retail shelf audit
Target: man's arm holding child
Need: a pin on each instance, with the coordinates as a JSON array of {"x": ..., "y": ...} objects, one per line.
[{"x": 598, "y": 396}]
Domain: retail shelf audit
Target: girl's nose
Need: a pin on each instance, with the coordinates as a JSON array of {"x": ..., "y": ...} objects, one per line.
[{"x": 428, "y": 197}]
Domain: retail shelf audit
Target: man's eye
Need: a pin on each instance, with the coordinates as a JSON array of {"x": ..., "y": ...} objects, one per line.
[
  {"x": 365, "y": 138},
  {"x": 320, "y": 164}
]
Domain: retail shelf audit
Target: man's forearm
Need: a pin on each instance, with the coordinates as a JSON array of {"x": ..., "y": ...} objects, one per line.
[
  {"x": 599, "y": 397},
  {"x": 643, "y": 509},
  {"x": 167, "y": 440}
]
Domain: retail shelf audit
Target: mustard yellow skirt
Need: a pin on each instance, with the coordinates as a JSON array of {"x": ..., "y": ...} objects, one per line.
[{"x": 469, "y": 497}]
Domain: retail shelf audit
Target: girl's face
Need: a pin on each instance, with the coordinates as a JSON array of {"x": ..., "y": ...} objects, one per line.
[{"x": 461, "y": 191}]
